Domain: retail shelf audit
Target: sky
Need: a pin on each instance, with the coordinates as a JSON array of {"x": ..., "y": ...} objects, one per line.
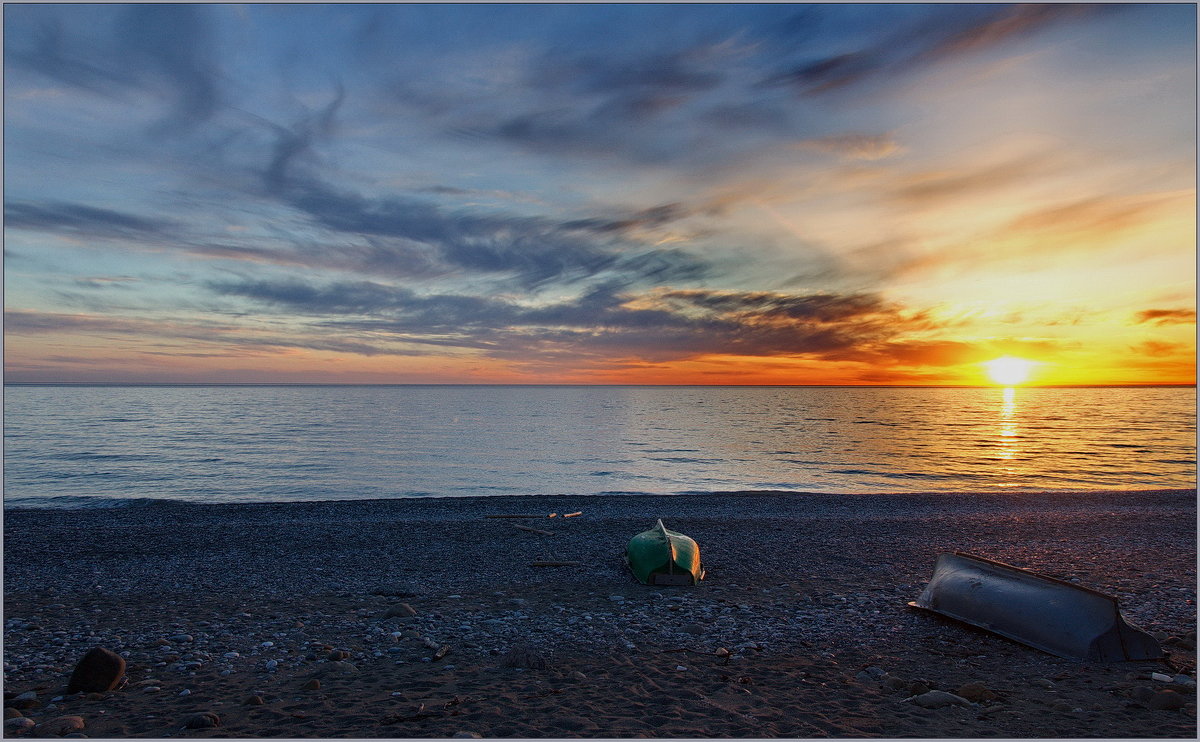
[{"x": 595, "y": 194}]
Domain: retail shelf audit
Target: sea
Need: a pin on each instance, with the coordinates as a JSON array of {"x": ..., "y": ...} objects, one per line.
[{"x": 77, "y": 446}]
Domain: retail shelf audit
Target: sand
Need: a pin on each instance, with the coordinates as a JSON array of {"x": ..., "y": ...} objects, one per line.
[{"x": 800, "y": 630}]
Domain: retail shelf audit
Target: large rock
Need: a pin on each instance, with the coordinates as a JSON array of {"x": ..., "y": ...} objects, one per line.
[
  {"x": 59, "y": 726},
  {"x": 100, "y": 670},
  {"x": 936, "y": 699},
  {"x": 18, "y": 725},
  {"x": 977, "y": 692},
  {"x": 204, "y": 720}
]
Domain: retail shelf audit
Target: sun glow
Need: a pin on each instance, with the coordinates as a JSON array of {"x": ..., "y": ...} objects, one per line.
[{"x": 1009, "y": 371}]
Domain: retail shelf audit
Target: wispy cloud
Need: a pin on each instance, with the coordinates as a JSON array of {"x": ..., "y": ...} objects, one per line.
[{"x": 1166, "y": 316}]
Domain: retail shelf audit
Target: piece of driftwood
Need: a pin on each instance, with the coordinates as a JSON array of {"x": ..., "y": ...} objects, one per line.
[
  {"x": 572, "y": 515},
  {"x": 534, "y": 530},
  {"x": 555, "y": 564}
]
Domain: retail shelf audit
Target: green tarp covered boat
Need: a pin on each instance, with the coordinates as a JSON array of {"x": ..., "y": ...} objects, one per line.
[{"x": 662, "y": 557}]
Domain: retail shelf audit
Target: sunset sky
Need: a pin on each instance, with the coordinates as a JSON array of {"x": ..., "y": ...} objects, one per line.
[{"x": 812, "y": 194}]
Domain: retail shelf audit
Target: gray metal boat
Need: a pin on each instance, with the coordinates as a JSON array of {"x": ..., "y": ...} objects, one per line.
[{"x": 1048, "y": 614}]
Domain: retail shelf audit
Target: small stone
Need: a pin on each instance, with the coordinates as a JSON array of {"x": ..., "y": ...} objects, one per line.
[
  {"x": 18, "y": 725},
  {"x": 694, "y": 629},
  {"x": 26, "y": 700},
  {"x": 896, "y": 683},
  {"x": 98, "y": 671},
  {"x": 271, "y": 665},
  {"x": 185, "y": 692},
  {"x": 722, "y": 652},
  {"x": 617, "y": 598},
  {"x": 936, "y": 699},
  {"x": 181, "y": 638},
  {"x": 681, "y": 668},
  {"x": 59, "y": 726},
  {"x": 253, "y": 701},
  {"x": 204, "y": 720},
  {"x": 1044, "y": 683},
  {"x": 313, "y": 684},
  {"x": 578, "y": 676},
  {"x": 976, "y": 692},
  {"x": 1167, "y": 700},
  {"x": 338, "y": 654},
  {"x": 917, "y": 688},
  {"x": 1160, "y": 677},
  {"x": 12, "y": 713}
]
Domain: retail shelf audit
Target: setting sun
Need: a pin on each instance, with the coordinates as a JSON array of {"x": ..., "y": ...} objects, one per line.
[{"x": 1009, "y": 371}]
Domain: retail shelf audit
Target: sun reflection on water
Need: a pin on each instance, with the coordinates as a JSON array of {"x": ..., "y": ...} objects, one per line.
[{"x": 1009, "y": 439}]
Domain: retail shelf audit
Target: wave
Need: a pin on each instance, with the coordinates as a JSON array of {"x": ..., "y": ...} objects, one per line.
[{"x": 87, "y": 502}]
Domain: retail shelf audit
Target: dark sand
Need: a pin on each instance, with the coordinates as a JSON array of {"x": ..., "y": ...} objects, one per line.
[{"x": 807, "y": 594}]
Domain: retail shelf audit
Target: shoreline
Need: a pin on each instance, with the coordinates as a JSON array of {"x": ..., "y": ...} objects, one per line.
[
  {"x": 806, "y": 594},
  {"x": 101, "y": 502}
]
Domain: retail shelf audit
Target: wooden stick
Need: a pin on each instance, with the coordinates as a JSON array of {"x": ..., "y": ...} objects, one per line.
[
  {"x": 555, "y": 564},
  {"x": 572, "y": 515},
  {"x": 535, "y": 530}
]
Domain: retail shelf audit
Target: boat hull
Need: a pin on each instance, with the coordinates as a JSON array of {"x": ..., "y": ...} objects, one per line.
[
  {"x": 662, "y": 557},
  {"x": 1058, "y": 617}
]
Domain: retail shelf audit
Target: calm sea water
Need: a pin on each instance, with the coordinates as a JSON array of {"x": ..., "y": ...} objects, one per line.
[{"x": 84, "y": 446}]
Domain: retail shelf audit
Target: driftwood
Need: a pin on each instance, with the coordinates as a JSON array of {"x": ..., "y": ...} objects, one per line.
[
  {"x": 572, "y": 515},
  {"x": 555, "y": 564},
  {"x": 534, "y": 530}
]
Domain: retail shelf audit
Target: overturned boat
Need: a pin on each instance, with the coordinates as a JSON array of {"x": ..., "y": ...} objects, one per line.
[
  {"x": 1048, "y": 614},
  {"x": 662, "y": 557}
]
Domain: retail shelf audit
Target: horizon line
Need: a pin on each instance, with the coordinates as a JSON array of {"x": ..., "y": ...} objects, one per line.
[{"x": 588, "y": 384}]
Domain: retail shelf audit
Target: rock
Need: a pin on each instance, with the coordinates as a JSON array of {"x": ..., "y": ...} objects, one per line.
[
  {"x": 936, "y": 699},
  {"x": 525, "y": 657},
  {"x": 1142, "y": 693},
  {"x": 694, "y": 629},
  {"x": 100, "y": 670},
  {"x": 335, "y": 668},
  {"x": 59, "y": 726},
  {"x": 18, "y": 725},
  {"x": 976, "y": 692},
  {"x": 1168, "y": 700},
  {"x": 917, "y": 688},
  {"x": 404, "y": 610},
  {"x": 896, "y": 683},
  {"x": 467, "y": 735},
  {"x": 313, "y": 684},
  {"x": 1160, "y": 677},
  {"x": 722, "y": 652},
  {"x": 253, "y": 701},
  {"x": 203, "y": 720},
  {"x": 12, "y": 713},
  {"x": 271, "y": 665},
  {"x": 181, "y": 638},
  {"x": 1044, "y": 683},
  {"x": 338, "y": 654},
  {"x": 26, "y": 700},
  {"x": 578, "y": 676}
]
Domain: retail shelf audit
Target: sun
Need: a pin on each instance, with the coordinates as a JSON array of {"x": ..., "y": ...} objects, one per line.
[{"x": 1009, "y": 371}]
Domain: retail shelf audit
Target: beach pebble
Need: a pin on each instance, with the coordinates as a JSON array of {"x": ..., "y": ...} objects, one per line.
[
  {"x": 182, "y": 638},
  {"x": 185, "y": 692},
  {"x": 99, "y": 670},
  {"x": 976, "y": 692},
  {"x": 12, "y": 713},
  {"x": 1167, "y": 700},
  {"x": 271, "y": 665},
  {"x": 1044, "y": 683},
  {"x": 18, "y": 725},
  {"x": 203, "y": 720},
  {"x": 936, "y": 699},
  {"x": 578, "y": 676},
  {"x": 1160, "y": 677},
  {"x": 693, "y": 628},
  {"x": 721, "y": 652},
  {"x": 681, "y": 668},
  {"x": 59, "y": 726},
  {"x": 26, "y": 700},
  {"x": 338, "y": 654},
  {"x": 403, "y": 610}
]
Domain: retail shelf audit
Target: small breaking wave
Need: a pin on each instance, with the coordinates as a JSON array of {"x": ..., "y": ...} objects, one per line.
[{"x": 86, "y": 502}]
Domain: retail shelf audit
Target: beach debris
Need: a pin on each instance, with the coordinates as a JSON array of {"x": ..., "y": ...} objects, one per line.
[
  {"x": 98, "y": 671},
  {"x": 18, "y": 725},
  {"x": 59, "y": 726},
  {"x": 554, "y": 564},
  {"x": 441, "y": 652},
  {"x": 1045, "y": 613},
  {"x": 662, "y": 557},
  {"x": 936, "y": 699},
  {"x": 524, "y": 657},
  {"x": 203, "y": 720},
  {"x": 534, "y": 530}
]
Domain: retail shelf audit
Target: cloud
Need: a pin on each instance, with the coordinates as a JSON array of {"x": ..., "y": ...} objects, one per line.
[
  {"x": 948, "y": 32},
  {"x": 855, "y": 146},
  {"x": 1158, "y": 349},
  {"x": 1167, "y": 316},
  {"x": 80, "y": 219}
]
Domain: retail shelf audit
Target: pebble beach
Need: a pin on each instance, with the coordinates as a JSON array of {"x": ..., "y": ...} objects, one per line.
[{"x": 427, "y": 618}]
